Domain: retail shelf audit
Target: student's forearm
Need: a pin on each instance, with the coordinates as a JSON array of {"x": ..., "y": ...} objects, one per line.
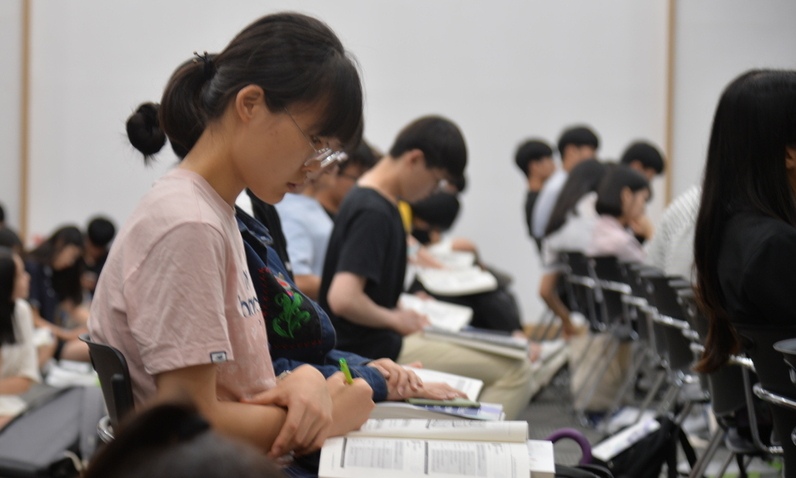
[
  {"x": 258, "y": 425},
  {"x": 15, "y": 385},
  {"x": 309, "y": 284},
  {"x": 359, "y": 309}
]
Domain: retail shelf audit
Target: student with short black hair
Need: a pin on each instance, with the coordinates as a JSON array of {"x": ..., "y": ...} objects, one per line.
[
  {"x": 99, "y": 234},
  {"x": 363, "y": 275},
  {"x": 279, "y": 103},
  {"x": 645, "y": 158},
  {"x": 172, "y": 440},
  {"x": 534, "y": 158},
  {"x": 621, "y": 198},
  {"x": 575, "y": 145}
]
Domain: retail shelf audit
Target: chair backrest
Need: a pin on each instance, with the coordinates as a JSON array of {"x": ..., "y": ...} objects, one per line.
[
  {"x": 114, "y": 377},
  {"x": 774, "y": 376}
]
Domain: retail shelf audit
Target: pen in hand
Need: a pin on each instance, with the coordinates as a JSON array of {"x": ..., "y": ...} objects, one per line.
[{"x": 344, "y": 368}]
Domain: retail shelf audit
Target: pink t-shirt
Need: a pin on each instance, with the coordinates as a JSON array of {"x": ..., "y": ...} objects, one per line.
[
  {"x": 175, "y": 292},
  {"x": 610, "y": 238}
]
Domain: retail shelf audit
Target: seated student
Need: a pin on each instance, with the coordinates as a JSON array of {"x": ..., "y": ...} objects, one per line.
[
  {"x": 307, "y": 222},
  {"x": 175, "y": 295},
  {"x": 300, "y": 332},
  {"x": 535, "y": 160},
  {"x": 575, "y": 145},
  {"x": 569, "y": 229},
  {"x": 645, "y": 158},
  {"x": 56, "y": 293},
  {"x": 172, "y": 440},
  {"x": 19, "y": 367},
  {"x": 10, "y": 239},
  {"x": 621, "y": 198},
  {"x": 99, "y": 234},
  {"x": 363, "y": 274},
  {"x": 432, "y": 216},
  {"x": 745, "y": 239}
]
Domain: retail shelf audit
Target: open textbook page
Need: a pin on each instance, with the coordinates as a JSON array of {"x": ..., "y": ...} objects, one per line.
[
  {"x": 470, "y": 386},
  {"x": 360, "y": 456},
  {"x": 461, "y": 430},
  {"x": 487, "y": 411},
  {"x": 443, "y": 315},
  {"x": 455, "y": 282}
]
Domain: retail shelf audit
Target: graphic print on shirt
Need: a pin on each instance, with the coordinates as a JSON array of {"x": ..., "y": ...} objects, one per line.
[
  {"x": 249, "y": 306},
  {"x": 292, "y": 317}
]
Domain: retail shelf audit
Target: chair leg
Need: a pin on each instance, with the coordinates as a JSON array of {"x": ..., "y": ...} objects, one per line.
[{"x": 698, "y": 471}]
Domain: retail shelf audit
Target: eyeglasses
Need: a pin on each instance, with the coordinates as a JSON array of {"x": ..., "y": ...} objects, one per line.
[{"x": 325, "y": 156}]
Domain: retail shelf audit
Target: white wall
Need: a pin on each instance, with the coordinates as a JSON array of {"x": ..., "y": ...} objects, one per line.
[
  {"x": 717, "y": 40},
  {"x": 10, "y": 90},
  {"x": 502, "y": 70}
]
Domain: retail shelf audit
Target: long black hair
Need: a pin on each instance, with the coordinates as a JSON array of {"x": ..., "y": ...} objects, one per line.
[
  {"x": 584, "y": 178},
  {"x": 65, "y": 282},
  {"x": 292, "y": 57},
  {"x": 8, "y": 276},
  {"x": 745, "y": 170}
]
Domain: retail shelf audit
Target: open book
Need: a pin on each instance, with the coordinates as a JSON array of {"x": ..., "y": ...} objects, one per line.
[
  {"x": 470, "y": 386},
  {"x": 441, "y": 314},
  {"x": 456, "y": 282},
  {"x": 434, "y": 448},
  {"x": 487, "y": 340}
]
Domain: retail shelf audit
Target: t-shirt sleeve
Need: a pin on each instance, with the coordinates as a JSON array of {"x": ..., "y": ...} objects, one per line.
[
  {"x": 299, "y": 244},
  {"x": 769, "y": 278},
  {"x": 175, "y": 300},
  {"x": 365, "y": 246}
]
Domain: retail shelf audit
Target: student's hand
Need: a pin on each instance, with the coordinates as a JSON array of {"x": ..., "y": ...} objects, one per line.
[
  {"x": 437, "y": 391},
  {"x": 352, "y": 403},
  {"x": 642, "y": 227},
  {"x": 401, "y": 382},
  {"x": 407, "y": 322},
  {"x": 309, "y": 411}
]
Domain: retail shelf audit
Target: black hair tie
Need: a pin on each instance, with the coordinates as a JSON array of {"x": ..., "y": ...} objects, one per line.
[{"x": 208, "y": 67}]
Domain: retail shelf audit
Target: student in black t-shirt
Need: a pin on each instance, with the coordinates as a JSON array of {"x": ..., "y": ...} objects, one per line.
[
  {"x": 363, "y": 273},
  {"x": 745, "y": 239},
  {"x": 535, "y": 159}
]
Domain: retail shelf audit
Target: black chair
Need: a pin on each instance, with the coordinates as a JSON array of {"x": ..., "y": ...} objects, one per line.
[
  {"x": 774, "y": 382},
  {"x": 728, "y": 399},
  {"x": 117, "y": 389}
]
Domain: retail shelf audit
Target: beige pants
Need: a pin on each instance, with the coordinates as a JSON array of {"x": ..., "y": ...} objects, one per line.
[{"x": 506, "y": 381}]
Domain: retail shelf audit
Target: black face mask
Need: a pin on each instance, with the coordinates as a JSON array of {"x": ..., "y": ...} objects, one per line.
[{"x": 421, "y": 235}]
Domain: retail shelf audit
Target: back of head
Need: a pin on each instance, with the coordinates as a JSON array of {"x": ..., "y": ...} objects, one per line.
[
  {"x": 531, "y": 150},
  {"x": 439, "y": 210},
  {"x": 173, "y": 441},
  {"x": 584, "y": 178},
  {"x": 645, "y": 153},
  {"x": 2, "y": 215},
  {"x": 578, "y": 136},
  {"x": 754, "y": 123},
  {"x": 294, "y": 58},
  {"x": 10, "y": 239},
  {"x": 363, "y": 156},
  {"x": 440, "y": 141},
  {"x": 100, "y": 231},
  {"x": 609, "y": 191}
]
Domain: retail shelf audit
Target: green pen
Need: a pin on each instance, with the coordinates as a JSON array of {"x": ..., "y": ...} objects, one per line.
[{"x": 344, "y": 368}]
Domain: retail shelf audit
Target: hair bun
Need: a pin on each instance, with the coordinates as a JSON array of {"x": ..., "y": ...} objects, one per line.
[{"x": 143, "y": 130}]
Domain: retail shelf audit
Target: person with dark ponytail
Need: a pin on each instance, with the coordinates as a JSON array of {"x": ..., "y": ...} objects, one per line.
[
  {"x": 19, "y": 367},
  {"x": 278, "y": 104}
]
